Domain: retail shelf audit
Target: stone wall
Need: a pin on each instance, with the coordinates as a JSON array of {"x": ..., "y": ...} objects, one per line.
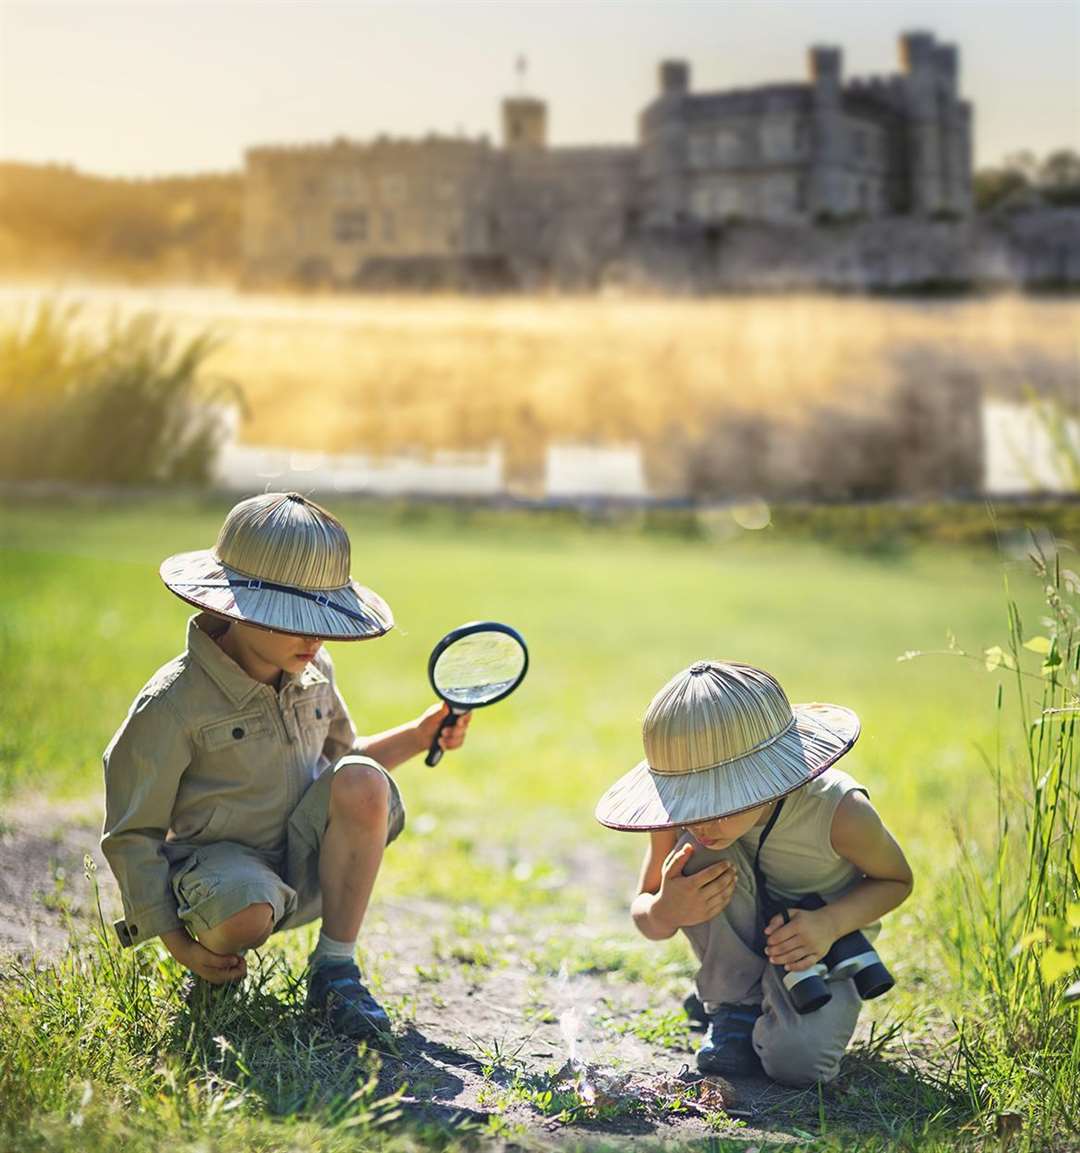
[{"x": 1038, "y": 249}]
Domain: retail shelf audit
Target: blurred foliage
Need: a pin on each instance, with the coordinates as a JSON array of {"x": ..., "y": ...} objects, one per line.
[
  {"x": 55, "y": 218},
  {"x": 1055, "y": 179},
  {"x": 128, "y": 405}
]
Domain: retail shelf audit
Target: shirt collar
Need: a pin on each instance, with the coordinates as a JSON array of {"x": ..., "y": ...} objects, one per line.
[{"x": 236, "y": 684}]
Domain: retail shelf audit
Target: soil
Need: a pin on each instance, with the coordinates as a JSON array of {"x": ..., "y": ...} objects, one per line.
[{"x": 469, "y": 1038}]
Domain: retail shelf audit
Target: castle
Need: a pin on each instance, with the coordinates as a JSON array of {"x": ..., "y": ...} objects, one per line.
[{"x": 460, "y": 211}]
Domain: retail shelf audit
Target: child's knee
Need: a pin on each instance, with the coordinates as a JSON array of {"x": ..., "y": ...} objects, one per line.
[
  {"x": 360, "y": 793},
  {"x": 798, "y": 1059},
  {"x": 247, "y": 929}
]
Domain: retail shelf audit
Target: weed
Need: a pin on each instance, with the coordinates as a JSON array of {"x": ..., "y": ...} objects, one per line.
[{"x": 668, "y": 1030}]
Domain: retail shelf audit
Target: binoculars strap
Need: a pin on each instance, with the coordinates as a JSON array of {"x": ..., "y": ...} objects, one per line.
[{"x": 764, "y": 900}]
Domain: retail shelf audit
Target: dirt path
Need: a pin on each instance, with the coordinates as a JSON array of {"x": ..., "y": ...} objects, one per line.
[{"x": 480, "y": 1036}]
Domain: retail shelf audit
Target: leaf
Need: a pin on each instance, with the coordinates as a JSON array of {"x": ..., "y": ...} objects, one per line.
[
  {"x": 1040, "y": 645},
  {"x": 1072, "y": 916},
  {"x": 1052, "y": 662},
  {"x": 997, "y": 657},
  {"x": 1056, "y": 963}
]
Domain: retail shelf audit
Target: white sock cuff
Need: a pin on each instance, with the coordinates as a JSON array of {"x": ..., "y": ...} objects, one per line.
[{"x": 328, "y": 949}]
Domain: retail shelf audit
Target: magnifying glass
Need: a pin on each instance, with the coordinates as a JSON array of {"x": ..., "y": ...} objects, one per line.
[{"x": 475, "y": 665}]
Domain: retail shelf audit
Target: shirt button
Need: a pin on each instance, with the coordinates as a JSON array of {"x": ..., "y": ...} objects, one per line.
[{"x": 238, "y": 732}]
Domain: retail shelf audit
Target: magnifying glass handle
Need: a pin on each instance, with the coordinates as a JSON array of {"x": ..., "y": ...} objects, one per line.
[{"x": 435, "y": 752}]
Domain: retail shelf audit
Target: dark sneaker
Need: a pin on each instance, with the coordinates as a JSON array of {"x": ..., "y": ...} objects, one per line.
[
  {"x": 728, "y": 1048},
  {"x": 336, "y": 993},
  {"x": 695, "y": 1012}
]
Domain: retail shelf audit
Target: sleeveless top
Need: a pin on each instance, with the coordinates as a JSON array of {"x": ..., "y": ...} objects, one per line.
[{"x": 798, "y": 857}]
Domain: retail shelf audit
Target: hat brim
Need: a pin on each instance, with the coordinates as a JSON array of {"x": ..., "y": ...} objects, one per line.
[
  {"x": 643, "y": 799},
  {"x": 349, "y": 613}
]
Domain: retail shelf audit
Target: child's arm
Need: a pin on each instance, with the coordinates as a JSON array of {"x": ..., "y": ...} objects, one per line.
[
  {"x": 859, "y": 836},
  {"x": 143, "y": 765},
  {"x": 394, "y": 746},
  {"x": 667, "y": 899}
]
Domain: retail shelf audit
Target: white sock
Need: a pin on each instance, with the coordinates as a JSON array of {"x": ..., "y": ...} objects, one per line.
[{"x": 331, "y": 952}]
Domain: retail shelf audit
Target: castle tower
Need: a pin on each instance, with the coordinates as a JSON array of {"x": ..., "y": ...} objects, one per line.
[
  {"x": 955, "y": 115},
  {"x": 674, "y": 77},
  {"x": 662, "y": 130},
  {"x": 827, "y": 191},
  {"x": 524, "y": 124},
  {"x": 921, "y": 60}
]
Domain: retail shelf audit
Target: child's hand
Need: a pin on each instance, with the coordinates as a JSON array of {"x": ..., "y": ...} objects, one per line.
[
  {"x": 452, "y": 737},
  {"x": 684, "y": 900},
  {"x": 802, "y": 942},
  {"x": 217, "y": 968}
]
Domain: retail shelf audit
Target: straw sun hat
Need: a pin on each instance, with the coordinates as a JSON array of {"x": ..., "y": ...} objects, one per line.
[
  {"x": 282, "y": 563},
  {"x": 721, "y": 738}
]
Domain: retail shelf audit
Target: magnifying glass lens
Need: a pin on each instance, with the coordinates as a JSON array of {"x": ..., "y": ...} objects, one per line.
[{"x": 478, "y": 668}]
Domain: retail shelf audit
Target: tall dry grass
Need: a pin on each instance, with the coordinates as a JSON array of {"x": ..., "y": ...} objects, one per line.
[
  {"x": 402, "y": 373},
  {"x": 127, "y": 405}
]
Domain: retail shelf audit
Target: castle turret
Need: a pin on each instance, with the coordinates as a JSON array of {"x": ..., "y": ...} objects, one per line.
[
  {"x": 524, "y": 123},
  {"x": 664, "y": 149},
  {"x": 920, "y": 59},
  {"x": 828, "y": 193},
  {"x": 955, "y": 119},
  {"x": 674, "y": 78}
]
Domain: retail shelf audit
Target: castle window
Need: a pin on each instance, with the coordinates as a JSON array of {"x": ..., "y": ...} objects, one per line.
[
  {"x": 802, "y": 193},
  {"x": 777, "y": 139},
  {"x": 728, "y": 143},
  {"x": 802, "y": 138},
  {"x": 700, "y": 150},
  {"x": 351, "y": 225},
  {"x": 392, "y": 186}
]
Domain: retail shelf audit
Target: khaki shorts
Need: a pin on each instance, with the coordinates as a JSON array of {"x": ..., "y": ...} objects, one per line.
[{"x": 216, "y": 881}]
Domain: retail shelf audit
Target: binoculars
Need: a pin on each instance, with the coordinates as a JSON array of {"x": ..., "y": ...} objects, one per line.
[{"x": 851, "y": 956}]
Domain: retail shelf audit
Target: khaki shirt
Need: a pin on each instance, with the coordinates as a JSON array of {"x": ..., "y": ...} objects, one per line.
[{"x": 209, "y": 754}]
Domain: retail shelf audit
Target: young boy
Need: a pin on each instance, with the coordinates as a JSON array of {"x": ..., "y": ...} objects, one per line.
[
  {"x": 737, "y": 788},
  {"x": 239, "y": 800}
]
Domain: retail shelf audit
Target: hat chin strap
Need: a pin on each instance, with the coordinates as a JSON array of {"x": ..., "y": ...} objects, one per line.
[{"x": 256, "y": 585}]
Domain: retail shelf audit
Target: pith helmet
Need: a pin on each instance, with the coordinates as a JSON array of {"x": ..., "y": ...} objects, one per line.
[
  {"x": 281, "y": 562},
  {"x": 721, "y": 738}
]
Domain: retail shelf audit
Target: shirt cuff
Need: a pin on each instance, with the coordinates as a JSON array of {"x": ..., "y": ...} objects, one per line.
[{"x": 147, "y": 924}]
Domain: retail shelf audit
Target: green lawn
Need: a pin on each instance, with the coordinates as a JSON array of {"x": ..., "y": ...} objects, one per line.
[
  {"x": 610, "y": 612},
  {"x": 609, "y": 615}
]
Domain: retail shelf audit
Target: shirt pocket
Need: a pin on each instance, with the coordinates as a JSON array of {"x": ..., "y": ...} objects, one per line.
[
  {"x": 313, "y": 723},
  {"x": 234, "y": 732}
]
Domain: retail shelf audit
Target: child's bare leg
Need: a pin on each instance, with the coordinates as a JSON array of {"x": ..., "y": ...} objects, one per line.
[
  {"x": 247, "y": 929},
  {"x": 352, "y": 848}
]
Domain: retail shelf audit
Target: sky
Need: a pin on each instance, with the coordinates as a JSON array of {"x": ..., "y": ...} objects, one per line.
[{"x": 150, "y": 87}]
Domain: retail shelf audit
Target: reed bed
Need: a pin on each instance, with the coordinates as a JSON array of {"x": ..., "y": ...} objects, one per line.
[
  {"x": 419, "y": 373},
  {"x": 1015, "y": 932}
]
